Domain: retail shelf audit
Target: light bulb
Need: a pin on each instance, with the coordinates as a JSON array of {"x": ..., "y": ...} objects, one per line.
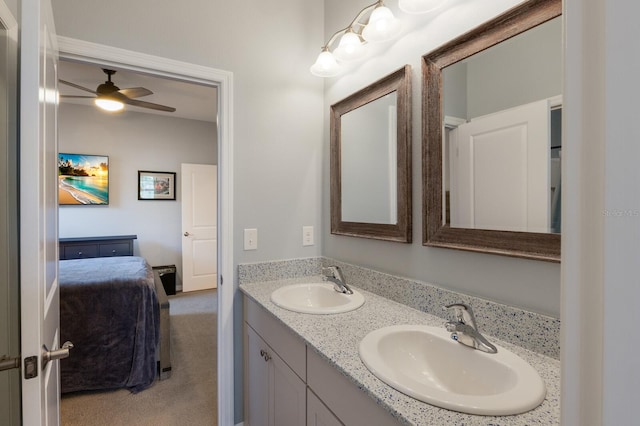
[
  {"x": 110, "y": 105},
  {"x": 326, "y": 65},
  {"x": 382, "y": 26},
  {"x": 419, "y": 6},
  {"x": 350, "y": 47}
]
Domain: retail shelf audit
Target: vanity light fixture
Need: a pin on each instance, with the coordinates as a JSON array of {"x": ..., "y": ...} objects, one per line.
[
  {"x": 350, "y": 48},
  {"x": 375, "y": 23},
  {"x": 382, "y": 26}
]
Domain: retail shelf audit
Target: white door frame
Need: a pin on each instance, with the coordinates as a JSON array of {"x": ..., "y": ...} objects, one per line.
[{"x": 92, "y": 53}]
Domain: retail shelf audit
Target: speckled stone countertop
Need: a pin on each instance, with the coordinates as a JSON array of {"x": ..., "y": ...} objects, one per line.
[{"x": 336, "y": 339}]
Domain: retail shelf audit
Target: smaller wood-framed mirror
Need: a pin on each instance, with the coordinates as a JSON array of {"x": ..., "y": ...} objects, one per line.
[
  {"x": 541, "y": 242},
  {"x": 370, "y": 168}
]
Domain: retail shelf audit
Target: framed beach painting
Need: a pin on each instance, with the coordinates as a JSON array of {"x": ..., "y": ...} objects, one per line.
[
  {"x": 83, "y": 179},
  {"x": 156, "y": 185}
]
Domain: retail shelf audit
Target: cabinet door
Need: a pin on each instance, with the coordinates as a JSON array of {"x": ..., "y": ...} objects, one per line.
[
  {"x": 275, "y": 395},
  {"x": 287, "y": 394},
  {"x": 318, "y": 414},
  {"x": 256, "y": 380}
]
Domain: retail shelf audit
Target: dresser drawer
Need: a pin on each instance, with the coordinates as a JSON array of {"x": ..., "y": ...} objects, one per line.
[
  {"x": 115, "y": 249},
  {"x": 80, "y": 251},
  {"x": 107, "y": 246}
]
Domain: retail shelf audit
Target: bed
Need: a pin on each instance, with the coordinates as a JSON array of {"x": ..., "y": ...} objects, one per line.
[{"x": 109, "y": 310}]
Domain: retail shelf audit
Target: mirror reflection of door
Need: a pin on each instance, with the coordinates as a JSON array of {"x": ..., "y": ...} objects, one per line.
[
  {"x": 502, "y": 173},
  {"x": 502, "y": 166},
  {"x": 369, "y": 162}
]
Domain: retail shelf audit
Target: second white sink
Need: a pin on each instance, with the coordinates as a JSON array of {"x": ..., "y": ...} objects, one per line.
[
  {"x": 316, "y": 298},
  {"x": 425, "y": 363}
]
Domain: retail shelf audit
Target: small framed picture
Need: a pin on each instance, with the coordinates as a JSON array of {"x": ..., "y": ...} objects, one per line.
[{"x": 156, "y": 185}]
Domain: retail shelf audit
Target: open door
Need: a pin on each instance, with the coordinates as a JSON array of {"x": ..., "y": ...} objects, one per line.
[
  {"x": 10, "y": 407},
  {"x": 199, "y": 226},
  {"x": 40, "y": 322}
]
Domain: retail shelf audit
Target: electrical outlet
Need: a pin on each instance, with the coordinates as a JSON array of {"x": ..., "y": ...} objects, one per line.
[
  {"x": 251, "y": 239},
  {"x": 307, "y": 235}
]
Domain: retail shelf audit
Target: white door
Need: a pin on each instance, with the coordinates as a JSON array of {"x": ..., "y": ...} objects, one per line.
[
  {"x": 500, "y": 170},
  {"x": 39, "y": 214},
  {"x": 199, "y": 226}
]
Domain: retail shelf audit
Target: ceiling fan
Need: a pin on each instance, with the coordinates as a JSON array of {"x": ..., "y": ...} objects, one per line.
[{"x": 109, "y": 93}]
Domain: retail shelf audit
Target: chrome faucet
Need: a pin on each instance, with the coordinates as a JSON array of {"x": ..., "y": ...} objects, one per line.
[
  {"x": 334, "y": 274},
  {"x": 464, "y": 330}
]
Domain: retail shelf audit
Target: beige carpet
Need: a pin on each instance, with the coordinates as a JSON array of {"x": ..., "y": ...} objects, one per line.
[{"x": 188, "y": 397}]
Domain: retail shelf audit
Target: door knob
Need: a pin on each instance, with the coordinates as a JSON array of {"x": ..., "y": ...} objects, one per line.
[
  {"x": 186, "y": 234},
  {"x": 61, "y": 353}
]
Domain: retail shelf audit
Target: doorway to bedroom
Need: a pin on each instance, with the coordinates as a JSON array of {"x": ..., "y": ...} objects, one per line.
[{"x": 157, "y": 142}]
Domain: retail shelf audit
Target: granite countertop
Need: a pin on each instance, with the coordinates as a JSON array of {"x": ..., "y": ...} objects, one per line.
[{"x": 336, "y": 338}]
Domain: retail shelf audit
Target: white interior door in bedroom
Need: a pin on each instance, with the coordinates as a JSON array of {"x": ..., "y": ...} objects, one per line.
[
  {"x": 38, "y": 232},
  {"x": 199, "y": 226}
]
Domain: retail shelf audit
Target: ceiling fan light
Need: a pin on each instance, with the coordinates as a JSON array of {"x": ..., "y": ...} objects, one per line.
[
  {"x": 110, "y": 105},
  {"x": 419, "y": 6},
  {"x": 350, "y": 47},
  {"x": 382, "y": 26}
]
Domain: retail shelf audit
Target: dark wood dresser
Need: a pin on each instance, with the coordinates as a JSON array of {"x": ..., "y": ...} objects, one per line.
[{"x": 85, "y": 247}]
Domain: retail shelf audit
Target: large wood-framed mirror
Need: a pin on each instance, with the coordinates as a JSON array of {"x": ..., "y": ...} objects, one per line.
[
  {"x": 466, "y": 175},
  {"x": 370, "y": 167}
]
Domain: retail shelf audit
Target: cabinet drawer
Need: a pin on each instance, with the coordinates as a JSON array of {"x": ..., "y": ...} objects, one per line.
[
  {"x": 80, "y": 251},
  {"x": 115, "y": 249},
  {"x": 290, "y": 348}
]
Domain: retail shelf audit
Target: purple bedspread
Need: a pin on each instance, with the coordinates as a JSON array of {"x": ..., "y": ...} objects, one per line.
[{"x": 109, "y": 310}]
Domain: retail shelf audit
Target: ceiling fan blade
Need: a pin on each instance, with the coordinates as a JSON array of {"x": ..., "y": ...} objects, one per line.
[
  {"x": 149, "y": 105},
  {"x": 77, "y": 97},
  {"x": 135, "y": 92},
  {"x": 68, "y": 83}
]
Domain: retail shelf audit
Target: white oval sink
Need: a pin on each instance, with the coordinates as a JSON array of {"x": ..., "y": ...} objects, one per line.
[
  {"x": 316, "y": 298},
  {"x": 425, "y": 363}
]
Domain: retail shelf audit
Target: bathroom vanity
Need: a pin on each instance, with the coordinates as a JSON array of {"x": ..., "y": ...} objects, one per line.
[
  {"x": 305, "y": 369},
  {"x": 288, "y": 383}
]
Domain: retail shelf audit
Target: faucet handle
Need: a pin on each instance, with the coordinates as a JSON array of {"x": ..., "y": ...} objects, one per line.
[
  {"x": 463, "y": 313},
  {"x": 329, "y": 271},
  {"x": 333, "y": 271}
]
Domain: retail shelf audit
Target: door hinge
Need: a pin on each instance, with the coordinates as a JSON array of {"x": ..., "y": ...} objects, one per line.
[
  {"x": 8, "y": 363},
  {"x": 221, "y": 280}
]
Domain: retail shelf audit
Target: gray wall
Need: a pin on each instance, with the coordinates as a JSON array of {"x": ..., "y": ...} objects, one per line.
[
  {"x": 527, "y": 284},
  {"x": 134, "y": 141}
]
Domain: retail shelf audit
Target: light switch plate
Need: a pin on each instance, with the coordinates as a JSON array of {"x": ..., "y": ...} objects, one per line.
[
  {"x": 307, "y": 235},
  {"x": 251, "y": 239}
]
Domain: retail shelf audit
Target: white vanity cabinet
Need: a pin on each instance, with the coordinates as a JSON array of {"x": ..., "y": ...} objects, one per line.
[
  {"x": 276, "y": 393},
  {"x": 286, "y": 383},
  {"x": 275, "y": 390}
]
